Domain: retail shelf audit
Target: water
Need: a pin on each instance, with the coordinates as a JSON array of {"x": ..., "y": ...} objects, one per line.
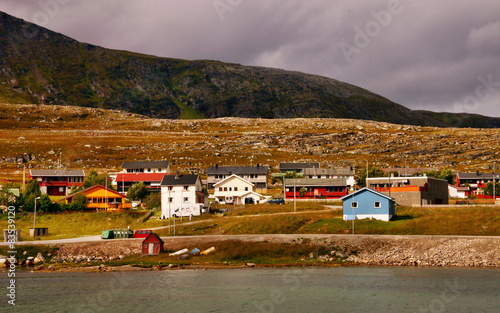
[{"x": 338, "y": 289}]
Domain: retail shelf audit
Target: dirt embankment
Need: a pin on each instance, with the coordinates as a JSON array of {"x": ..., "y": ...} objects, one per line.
[{"x": 363, "y": 249}]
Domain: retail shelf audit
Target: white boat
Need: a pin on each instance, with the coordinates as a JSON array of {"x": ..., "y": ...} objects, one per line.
[{"x": 179, "y": 252}]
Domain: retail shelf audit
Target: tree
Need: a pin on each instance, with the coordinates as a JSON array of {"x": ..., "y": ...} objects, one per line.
[
  {"x": 137, "y": 191},
  {"x": 293, "y": 174},
  {"x": 79, "y": 203},
  {"x": 46, "y": 205},
  {"x": 93, "y": 179},
  {"x": 31, "y": 192},
  {"x": 373, "y": 171},
  {"x": 488, "y": 189},
  {"x": 75, "y": 189},
  {"x": 153, "y": 201},
  {"x": 445, "y": 174},
  {"x": 302, "y": 192}
]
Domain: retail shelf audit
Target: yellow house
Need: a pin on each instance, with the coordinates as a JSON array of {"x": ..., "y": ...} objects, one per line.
[{"x": 101, "y": 198}]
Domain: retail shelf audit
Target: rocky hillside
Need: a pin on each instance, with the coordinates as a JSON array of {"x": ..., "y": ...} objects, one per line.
[
  {"x": 43, "y": 67},
  {"x": 36, "y": 135}
]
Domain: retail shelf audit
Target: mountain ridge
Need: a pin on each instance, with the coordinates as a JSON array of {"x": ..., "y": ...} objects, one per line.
[{"x": 45, "y": 67}]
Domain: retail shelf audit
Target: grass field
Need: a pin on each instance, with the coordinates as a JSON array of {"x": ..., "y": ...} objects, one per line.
[{"x": 472, "y": 221}]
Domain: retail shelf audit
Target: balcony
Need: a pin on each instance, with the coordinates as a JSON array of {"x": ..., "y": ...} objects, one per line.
[{"x": 54, "y": 184}]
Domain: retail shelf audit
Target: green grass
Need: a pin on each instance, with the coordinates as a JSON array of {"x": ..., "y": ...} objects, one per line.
[
  {"x": 235, "y": 252},
  {"x": 271, "y": 208},
  {"x": 72, "y": 225},
  {"x": 471, "y": 221}
]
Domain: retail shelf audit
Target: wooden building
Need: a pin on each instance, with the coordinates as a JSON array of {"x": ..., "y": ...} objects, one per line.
[
  {"x": 152, "y": 245},
  {"x": 367, "y": 203},
  {"x": 315, "y": 188},
  {"x": 101, "y": 198},
  {"x": 57, "y": 182}
]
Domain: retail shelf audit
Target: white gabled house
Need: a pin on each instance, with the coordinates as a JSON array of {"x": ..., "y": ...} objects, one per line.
[
  {"x": 181, "y": 191},
  {"x": 235, "y": 189}
]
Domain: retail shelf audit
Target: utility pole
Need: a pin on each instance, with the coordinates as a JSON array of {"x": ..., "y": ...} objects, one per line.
[
  {"x": 494, "y": 194},
  {"x": 294, "y": 196},
  {"x": 34, "y": 219}
]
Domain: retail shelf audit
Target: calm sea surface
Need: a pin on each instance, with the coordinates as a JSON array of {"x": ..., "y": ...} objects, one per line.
[{"x": 339, "y": 289}]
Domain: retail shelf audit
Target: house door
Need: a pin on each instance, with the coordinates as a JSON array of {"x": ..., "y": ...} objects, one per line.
[{"x": 150, "y": 248}]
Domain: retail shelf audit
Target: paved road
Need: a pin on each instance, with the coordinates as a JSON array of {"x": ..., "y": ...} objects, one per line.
[{"x": 98, "y": 237}]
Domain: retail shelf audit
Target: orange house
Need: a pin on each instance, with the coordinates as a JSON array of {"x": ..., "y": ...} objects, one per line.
[{"x": 101, "y": 198}]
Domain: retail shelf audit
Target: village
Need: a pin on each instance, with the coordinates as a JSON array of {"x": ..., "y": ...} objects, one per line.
[{"x": 187, "y": 195}]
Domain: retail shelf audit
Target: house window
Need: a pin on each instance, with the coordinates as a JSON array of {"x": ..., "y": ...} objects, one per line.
[
  {"x": 230, "y": 188},
  {"x": 354, "y": 204},
  {"x": 186, "y": 188},
  {"x": 246, "y": 188},
  {"x": 170, "y": 199},
  {"x": 225, "y": 188},
  {"x": 186, "y": 199},
  {"x": 61, "y": 189},
  {"x": 377, "y": 205},
  {"x": 235, "y": 188},
  {"x": 170, "y": 188},
  {"x": 220, "y": 188}
]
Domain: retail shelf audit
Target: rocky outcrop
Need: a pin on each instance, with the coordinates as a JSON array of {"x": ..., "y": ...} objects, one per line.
[{"x": 360, "y": 249}]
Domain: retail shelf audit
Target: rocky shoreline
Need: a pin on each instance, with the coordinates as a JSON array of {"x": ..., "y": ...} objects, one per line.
[{"x": 449, "y": 251}]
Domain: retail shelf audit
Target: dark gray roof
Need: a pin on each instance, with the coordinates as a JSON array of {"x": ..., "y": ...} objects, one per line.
[
  {"x": 328, "y": 171},
  {"x": 56, "y": 173},
  {"x": 181, "y": 180},
  {"x": 315, "y": 182},
  {"x": 238, "y": 170},
  {"x": 293, "y": 166},
  {"x": 478, "y": 175},
  {"x": 146, "y": 164}
]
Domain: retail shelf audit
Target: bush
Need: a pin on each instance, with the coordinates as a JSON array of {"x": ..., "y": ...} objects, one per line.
[{"x": 79, "y": 203}]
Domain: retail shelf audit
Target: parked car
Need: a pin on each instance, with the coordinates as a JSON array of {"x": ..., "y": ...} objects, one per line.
[
  {"x": 142, "y": 233},
  {"x": 276, "y": 201},
  {"x": 189, "y": 211}
]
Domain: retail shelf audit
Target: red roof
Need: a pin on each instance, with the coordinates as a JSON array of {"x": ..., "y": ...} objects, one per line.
[{"x": 138, "y": 177}]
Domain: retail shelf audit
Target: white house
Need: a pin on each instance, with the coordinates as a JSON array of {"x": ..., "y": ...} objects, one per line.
[
  {"x": 235, "y": 189},
  {"x": 458, "y": 192},
  {"x": 146, "y": 167},
  {"x": 181, "y": 191}
]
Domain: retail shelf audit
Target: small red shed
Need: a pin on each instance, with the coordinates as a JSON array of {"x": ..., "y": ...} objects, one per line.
[{"x": 152, "y": 245}]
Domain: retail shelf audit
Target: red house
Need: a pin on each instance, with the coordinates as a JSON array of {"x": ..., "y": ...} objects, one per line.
[
  {"x": 152, "y": 245},
  {"x": 57, "y": 182},
  {"x": 315, "y": 188},
  {"x": 126, "y": 180}
]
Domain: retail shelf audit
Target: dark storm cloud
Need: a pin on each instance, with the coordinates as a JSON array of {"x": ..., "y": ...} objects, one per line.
[{"x": 437, "y": 55}]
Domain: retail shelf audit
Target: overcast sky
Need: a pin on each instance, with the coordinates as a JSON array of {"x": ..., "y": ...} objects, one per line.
[{"x": 439, "y": 55}]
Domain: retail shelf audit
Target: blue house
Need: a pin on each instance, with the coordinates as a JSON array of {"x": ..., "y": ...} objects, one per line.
[{"x": 368, "y": 203}]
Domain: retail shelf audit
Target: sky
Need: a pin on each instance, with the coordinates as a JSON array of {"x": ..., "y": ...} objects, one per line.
[{"x": 432, "y": 55}]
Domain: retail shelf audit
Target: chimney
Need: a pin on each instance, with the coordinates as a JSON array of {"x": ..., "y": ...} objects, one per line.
[
  {"x": 258, "y": 165},
  {"x": 477, "y": 173},
  {"x": 177, "y": 175},
  {"x": 217, "y": 165}
]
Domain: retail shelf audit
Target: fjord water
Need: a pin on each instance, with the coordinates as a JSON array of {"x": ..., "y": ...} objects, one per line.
[{"x": 311, "y": 289}]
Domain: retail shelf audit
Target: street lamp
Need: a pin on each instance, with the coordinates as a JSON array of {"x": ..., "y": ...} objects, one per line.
[{"x": 34, "y": 219}]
